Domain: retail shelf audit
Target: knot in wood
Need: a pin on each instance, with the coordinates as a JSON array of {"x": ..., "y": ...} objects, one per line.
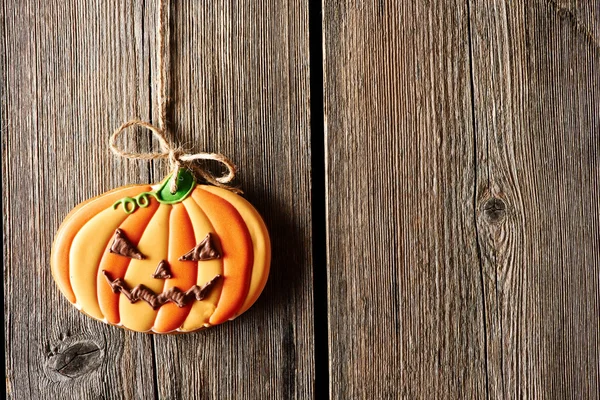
[
  {"x": 75, "y": 359},
  {"x": 494, "y": 210}
]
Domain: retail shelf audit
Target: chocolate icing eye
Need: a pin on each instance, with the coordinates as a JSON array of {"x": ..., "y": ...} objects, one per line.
[
  {"x": 163, "y": 271},
  {"x": 123, "y": 247},
  {"x": 205, "y": 250}
]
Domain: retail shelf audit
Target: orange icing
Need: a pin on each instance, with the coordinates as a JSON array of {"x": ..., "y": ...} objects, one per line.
[
  {"x": 163, "y": 232},
  {"x": 116, "y": 265},
  {"x": 181, "y": 239},
  {"x": 260, "y": 241},
  {"x": 202, "y": 310},
  {"x": 237, "y": 253},
  {"x": 154, "y": 245},
  {"x": 75, "y": 220}
]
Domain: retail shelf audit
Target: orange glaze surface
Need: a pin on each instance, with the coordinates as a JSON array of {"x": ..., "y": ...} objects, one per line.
[
  {"x": 260, "y": 241},
  {"x": 202, "y": 310},
  {"x": 181, "y": 239},
  {"x": 81, "y": 251},
  {"x": 237, "y": 253},
  {"x": 116, "y": 265},
  {"x": 154, "y": 245},
  {"x": 77, "y": 218}
]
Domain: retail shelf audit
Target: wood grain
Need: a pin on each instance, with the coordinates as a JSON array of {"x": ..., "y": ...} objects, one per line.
[
  {"x": 462, "y": 148},
  {"x": 537, "y": 123},
  {"x": 239, "y": 86},
  {"x": 60, "y": 77},
  {"x": 71, "y": 73},
  {"x": 462, "y": 185},
  {"x": 405, "y": 306}
]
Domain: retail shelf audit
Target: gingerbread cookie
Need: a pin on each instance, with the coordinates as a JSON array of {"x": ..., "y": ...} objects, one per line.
[{"x": 148, "y": 260}]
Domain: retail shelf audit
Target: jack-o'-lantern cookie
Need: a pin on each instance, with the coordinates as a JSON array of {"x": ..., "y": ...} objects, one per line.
[{"x": 150, "y": 260}]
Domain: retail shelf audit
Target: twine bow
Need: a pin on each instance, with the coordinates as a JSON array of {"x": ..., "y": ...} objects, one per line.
[{"x": 176, "y": 156}]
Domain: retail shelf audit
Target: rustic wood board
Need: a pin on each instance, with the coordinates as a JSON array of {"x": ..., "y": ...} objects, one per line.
[
  {"x": 536, "y": 74},
  {"x": 240, "y": 87},
  {"x": 462, "y": 169},
  {"x": 404, "y": 282},
  {"x": 462, "y": 146},
  {"x": 72, "y": 73}
]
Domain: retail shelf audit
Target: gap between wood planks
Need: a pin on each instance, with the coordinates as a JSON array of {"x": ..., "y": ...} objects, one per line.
[{"x": 318, "y": 201}]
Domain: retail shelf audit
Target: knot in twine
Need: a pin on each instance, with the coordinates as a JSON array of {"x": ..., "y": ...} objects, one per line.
[{"x": 176, "y": 156}]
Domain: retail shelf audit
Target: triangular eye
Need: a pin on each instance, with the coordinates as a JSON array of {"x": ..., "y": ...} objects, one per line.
[
  {"x": 205, "y": 250},
  {"x": 123, "y": 247},
  {"x": 163, "y": 271}
]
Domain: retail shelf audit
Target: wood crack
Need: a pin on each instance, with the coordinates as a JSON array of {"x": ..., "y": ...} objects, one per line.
[{"x": 477, "y": 234}]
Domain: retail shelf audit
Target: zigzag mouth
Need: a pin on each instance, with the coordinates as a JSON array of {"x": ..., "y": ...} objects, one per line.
[{"x": 173, "y": 295}]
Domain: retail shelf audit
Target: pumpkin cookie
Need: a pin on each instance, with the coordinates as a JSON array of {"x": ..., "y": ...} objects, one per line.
[{"x": 148, "y": 260}]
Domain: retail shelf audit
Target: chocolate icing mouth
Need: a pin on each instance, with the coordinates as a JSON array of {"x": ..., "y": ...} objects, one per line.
[{"x": 174, "y": 295}]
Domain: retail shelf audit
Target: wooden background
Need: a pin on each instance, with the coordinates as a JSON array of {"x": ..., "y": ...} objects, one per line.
[{"x": 429, "y": 172}]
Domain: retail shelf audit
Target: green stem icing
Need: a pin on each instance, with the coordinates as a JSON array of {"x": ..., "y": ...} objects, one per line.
[{"x": 185, "y": 185}]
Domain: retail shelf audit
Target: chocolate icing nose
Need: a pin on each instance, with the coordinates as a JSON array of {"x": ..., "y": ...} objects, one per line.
[{"x": 163, "y": 271}]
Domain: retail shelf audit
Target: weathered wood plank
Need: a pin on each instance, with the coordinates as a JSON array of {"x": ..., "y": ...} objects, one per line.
[
  {"x": 405, "y": 305},
  {"x": 537, "y": 124},
  {"x": 240, "y": 87},
  {"x": 71, "y": 74}
]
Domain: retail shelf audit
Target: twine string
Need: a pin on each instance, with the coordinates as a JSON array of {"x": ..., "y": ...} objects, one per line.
[
  {"x": 175, "y": 156},
  {"x": 163, "y": 25}
]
